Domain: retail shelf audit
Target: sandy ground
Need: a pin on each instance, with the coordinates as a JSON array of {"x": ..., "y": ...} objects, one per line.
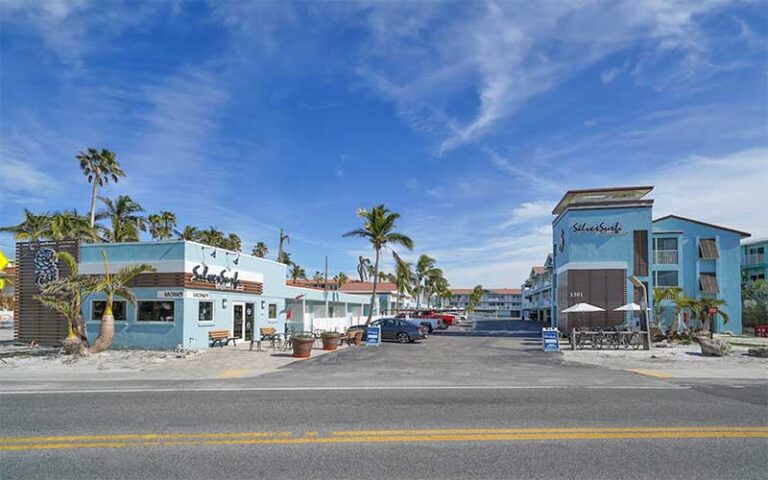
[
  {"x": 46, "y": 364},
  {"x": 679, "y": 361}
]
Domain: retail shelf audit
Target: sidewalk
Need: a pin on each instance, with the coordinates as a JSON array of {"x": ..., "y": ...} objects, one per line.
[{"x": 114, "y": 365}]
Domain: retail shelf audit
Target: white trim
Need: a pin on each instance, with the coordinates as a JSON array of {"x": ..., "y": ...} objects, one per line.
[
  {"x": 161, "y": 266},
  {"x": 592, "y": 266},
  {"x": 212, "y": 321}
]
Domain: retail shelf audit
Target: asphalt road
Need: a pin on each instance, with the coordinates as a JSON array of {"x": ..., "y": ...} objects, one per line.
[{"x": 493, "y": 413}]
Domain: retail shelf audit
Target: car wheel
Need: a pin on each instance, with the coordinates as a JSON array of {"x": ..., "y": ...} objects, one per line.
[
  {"x": 403, "y": 337},
  {"x": 429, "y": 327}
]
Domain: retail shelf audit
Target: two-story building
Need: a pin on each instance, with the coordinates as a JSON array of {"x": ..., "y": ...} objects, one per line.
[
  {"x": 609, "y": 253},
  {"x": 754, "y": 265},
  {"x": 537, "y": 293},
  {"x": 500, "y": 302}
]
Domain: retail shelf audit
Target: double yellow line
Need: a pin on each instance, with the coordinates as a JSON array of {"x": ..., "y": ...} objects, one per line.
[{"x": 374, "y": 436}]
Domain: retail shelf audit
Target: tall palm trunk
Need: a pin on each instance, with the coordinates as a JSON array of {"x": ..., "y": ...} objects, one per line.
[
  {"x": 375, "y": 284},
  {"x": 106, "y": 329},
  {"x": 93, "y": 199}
]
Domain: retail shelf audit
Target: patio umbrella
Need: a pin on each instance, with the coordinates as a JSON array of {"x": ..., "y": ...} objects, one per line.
[
  {"x": 630, "y": 307},
  {"x": 582, "y": 307}
]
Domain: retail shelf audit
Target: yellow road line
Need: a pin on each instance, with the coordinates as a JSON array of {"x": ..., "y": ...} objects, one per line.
[
  {"x": 651, "y": 373},
  {"x": 233, "y": 373},
  {"x": 395, "y": 439},
  {"x": 383, "y": 436}
]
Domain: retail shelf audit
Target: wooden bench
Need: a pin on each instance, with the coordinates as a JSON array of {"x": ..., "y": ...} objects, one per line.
[
  {"x": 349, "y": 337},
  {"x": 221, "y": 336}
]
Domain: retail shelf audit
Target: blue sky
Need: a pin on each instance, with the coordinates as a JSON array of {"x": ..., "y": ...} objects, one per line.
[{"x": 469, "y": 118}]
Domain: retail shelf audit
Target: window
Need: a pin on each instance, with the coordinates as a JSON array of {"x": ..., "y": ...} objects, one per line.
[
  {"x": 666, "y": 278},
  {"x": 118, "y": 310},
  {"x": 708, "y": 249},
  {"x": 708, "y": 283},
  {"x": 759, "y": 276},
  {"x": 272, "y": 310},
  {"x": 155, "y": 311},
  {"x": 205, "y": 312},
  {"x": 665, "y": 244}
]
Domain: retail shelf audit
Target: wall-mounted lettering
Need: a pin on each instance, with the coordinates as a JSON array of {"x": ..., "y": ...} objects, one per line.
[
  {"x": 601, "y": 228},
  {"x": 221, "y": 280}
]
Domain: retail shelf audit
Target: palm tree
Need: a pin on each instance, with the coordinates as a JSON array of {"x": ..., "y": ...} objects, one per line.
[
  {"x": 297, "y": 273},
  {"x": 679, "y": 300},
  {"x": 123, "y": 214},
  {"x": 260, "y": 250},
  {"x": 379, "y": 229},
  {"x": 364, "y": 268},
  {"x": 318, "y": 278},
  {"x": 189, "y": 233},
  {"x": 99, "y": 167},
  {"x": 232, "y": 242},
  {"x": 66, "y": 296},
  {"x": 161, "y": 225},
  {"x": 701, "y": 309},
  {"x": 475, "y": 297},
  {"x": 280, "y": 251},
  {"x": 114, "y": 285},
  {"x": 403, "y": 279},
  {"x": 424, "y": 266},
  {"x": 34, "y": 227},
  {"x": 69, "y": 224},
  {"x": 211, "y": 236},
  {"x": 341, "y": 279}
]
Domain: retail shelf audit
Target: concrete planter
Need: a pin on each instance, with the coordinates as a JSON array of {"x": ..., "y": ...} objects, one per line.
[
  {"x": 302, "y": 346},
  {"x": 330, "y": 342}
]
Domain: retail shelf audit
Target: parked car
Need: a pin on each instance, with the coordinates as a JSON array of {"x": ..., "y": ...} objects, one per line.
[
  {"x": 446, "y": 318},
  {"x": 431, "y": 322},
  {"x": 400, "y": 330}
]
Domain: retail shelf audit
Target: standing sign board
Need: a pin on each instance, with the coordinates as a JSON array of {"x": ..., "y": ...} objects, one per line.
[
  {"x": 373, "y": 336},
  {"x": 549, "y": 339}
]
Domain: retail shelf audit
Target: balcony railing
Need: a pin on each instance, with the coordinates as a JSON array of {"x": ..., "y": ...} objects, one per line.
[
  {"x": 665, "y": 257},
  {"x": 754, "y": 259}
]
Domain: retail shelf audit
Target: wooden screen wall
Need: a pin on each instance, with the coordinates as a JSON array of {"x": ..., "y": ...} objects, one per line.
[
  {"x": 603, "y": 288},
  {"x": 640, "y": 247},
  {"x": 34, "y": 321}
]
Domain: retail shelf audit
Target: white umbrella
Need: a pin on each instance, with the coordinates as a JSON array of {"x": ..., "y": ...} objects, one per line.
[
  {"x": 582, "y": 307},
  {"x": 630, "y": 307}
]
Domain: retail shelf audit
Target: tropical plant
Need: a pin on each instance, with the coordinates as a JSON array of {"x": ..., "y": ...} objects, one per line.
[
  {"x": 755, "y": 295},
  {"x": 341, "y": 279},
  {"x": 424, "y": 267},
  {"x": 34, "y": 227},
  {"x": 66, "y": 296},
  {"x": 232, "y": 242},
  {"x": 318, "y": 278},
  {"x": 675, "y": 296},
  {"x": 364, "y": 268},
  {"x": 161, "y": 225},
  {"x": 379, "y": 226},
  {"x": 260, "y": 250},
  {"x": 114, "y": 285},
  {"x": 99, "y": 167},
  {"x": 189, "y": 233},
  {"x": 705, "y": 309},
  {"x": 211, "y": 236},
  {"x": 125, "y": 221},
  {"x": 70, "y": 225},
  {"x": 297, "y": 273},
  {"x": 475, "y": 298},
  {"x": 281, "y": 253},
  {"x": 403, "y": 279}
]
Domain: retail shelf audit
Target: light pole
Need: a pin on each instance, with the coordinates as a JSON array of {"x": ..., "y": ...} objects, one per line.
[{"x": 644, "y": 305}]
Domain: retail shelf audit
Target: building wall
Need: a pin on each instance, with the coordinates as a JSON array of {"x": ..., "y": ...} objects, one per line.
[
  {"x": 727, "y": 267},
  {"x": 754, "y": 264},
  {"x": 589, "y": 250}
]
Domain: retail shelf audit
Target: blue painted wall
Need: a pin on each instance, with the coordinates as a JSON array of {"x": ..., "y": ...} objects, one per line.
[{"x": 727, "y": 267}]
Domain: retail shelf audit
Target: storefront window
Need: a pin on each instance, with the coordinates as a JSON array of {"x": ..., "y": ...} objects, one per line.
[
  {"x": 118, "y": 310},
  {"x": 155, "y": 311},
  {"x": 205, "y": 312},
  {"x": 272, "y": 310}
]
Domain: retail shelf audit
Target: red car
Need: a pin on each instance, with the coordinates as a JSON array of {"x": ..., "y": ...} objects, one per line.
[{"x": 447, "y": 319}]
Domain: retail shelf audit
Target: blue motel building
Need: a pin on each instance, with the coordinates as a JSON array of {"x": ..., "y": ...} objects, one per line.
[
  {"x": 609, "y": 251},
  {"x": 193, "y": 289}
]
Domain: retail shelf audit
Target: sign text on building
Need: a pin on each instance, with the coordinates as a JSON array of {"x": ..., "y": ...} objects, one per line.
[
  {"x": 601, "y": 228},
  {"x": 221, "y": 280}
]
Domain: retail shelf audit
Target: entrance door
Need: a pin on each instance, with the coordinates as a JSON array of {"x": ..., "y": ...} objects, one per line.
[
  {"x": 238, "y": 320},
  {"x": 250, "y": 321}
]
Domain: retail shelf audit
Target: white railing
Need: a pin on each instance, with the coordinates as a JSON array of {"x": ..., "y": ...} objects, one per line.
[
  {"x": 665, "y": 257},
  {"x": 753, "y": 259}
]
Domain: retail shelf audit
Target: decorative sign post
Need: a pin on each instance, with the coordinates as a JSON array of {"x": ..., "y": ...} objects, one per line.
[
  {"x": 549, "y": 339},
  {"x": 373, "y": 336}
]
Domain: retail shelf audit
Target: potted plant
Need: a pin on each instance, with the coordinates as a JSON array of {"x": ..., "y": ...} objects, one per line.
[
  {"x": 302, "y": 344},
  {"x": 330, "y": 340}
]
